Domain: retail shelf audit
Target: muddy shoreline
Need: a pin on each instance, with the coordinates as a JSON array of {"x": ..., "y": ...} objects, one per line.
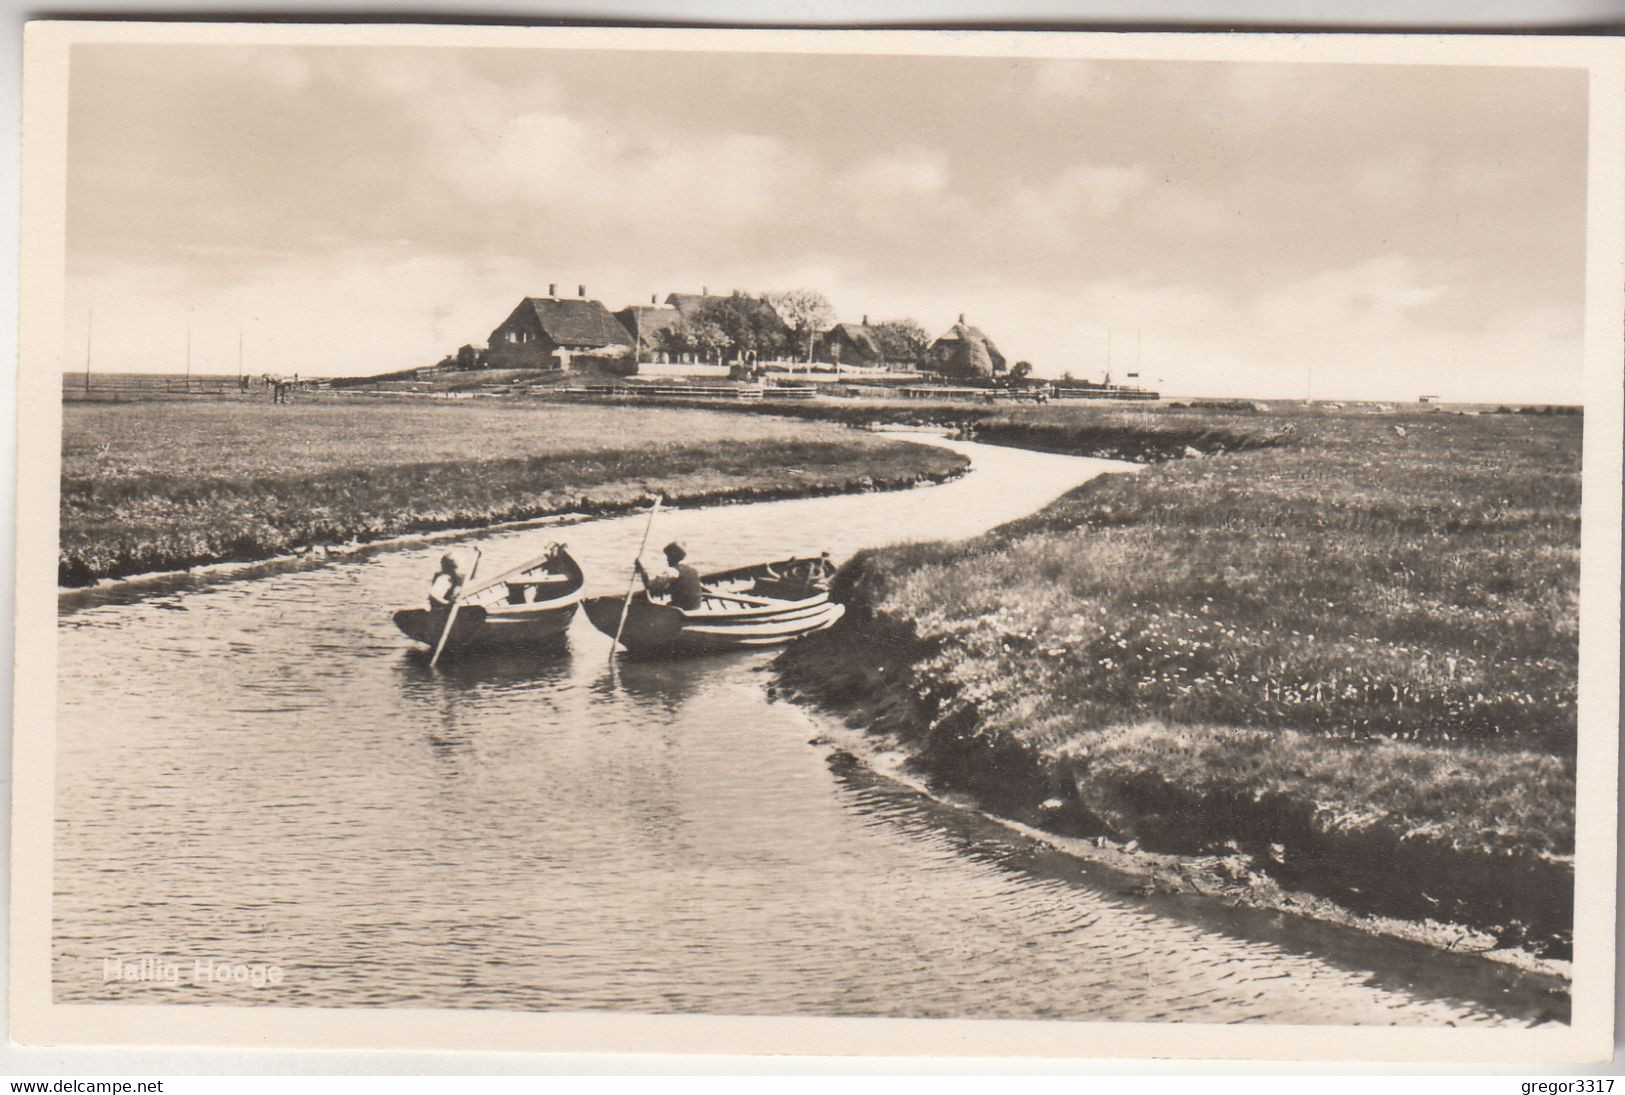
[
  {"x": 1504, "y": 902},
  {"x": 864, "y": 673}
]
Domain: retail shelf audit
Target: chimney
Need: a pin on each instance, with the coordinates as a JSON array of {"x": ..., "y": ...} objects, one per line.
[
  {"x": 961, "y": 317},
  {"x": 652, "y": 300},
  {"x": 866, "y": 319},
  {"x": 552, "y": 289},
  {"x": 581, "y": 290},
  {"x": 704, "y": 292}
]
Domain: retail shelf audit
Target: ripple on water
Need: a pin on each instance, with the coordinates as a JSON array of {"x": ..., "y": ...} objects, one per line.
[{"x": 271, "y": 776}]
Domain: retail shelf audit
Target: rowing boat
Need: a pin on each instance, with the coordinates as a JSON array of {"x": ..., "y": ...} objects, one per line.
[
  {"x": 762, "y": 605},
  {"x": 526, "y": 607}
]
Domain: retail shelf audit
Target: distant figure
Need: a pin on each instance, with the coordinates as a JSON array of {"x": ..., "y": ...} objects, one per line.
[
  {"x": 679, "y": 580},
  {"x": 447, "y": 582}
]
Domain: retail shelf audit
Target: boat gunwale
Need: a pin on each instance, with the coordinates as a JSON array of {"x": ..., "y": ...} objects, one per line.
[
  {"x": 499, "y": 615},
  {"x": 490, "y": 588},
  {"x": 717, "y": 628}
]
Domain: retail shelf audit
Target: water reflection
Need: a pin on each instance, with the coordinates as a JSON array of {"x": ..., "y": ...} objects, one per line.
[
  {"x": 479, "y": 671},
  {"x": 659, "y": 689},
  {"x": 559, "y": 832}
]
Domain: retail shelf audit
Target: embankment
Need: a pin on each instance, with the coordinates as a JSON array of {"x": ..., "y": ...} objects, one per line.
[
  {"x": 149, "y": 487},
  {"x": 1143, "y": 435},
  {"x": 1344, "y": 666}
]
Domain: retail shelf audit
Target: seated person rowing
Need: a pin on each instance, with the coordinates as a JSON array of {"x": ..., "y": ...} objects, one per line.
[
  {"x": 447, "y": 582},
  {"x": 679, "y": 581}
]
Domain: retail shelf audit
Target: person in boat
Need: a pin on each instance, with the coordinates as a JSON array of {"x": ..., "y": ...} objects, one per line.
[
  {"x": 447, "y": 582},
  {"x": 679, "y": 581}
]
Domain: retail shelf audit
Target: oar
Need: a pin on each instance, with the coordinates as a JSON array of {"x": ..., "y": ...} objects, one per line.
[
  {"x": 456, "y": 603},
  {"x": 632, "y": 583}
]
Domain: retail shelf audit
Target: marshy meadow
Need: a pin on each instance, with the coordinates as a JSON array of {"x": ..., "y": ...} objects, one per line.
[
  {"x": 1336, "y": 650},
  {"x": 151, "y": 486},
  {"x": 1345, "y": 657}
]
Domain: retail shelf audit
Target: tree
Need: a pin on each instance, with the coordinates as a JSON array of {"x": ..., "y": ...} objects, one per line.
[
  {"x": 708, "y": 338},
  {"x": 902, "y": 340},
  {"x": 745, "y": 326},
  {"x": 1020, "y": 371},
  {"x": 467, "y": 358},
  {"x": 752, "y": 323},
  {"x": 804, "y": 311},
  {"x": 671, "y": 341}
]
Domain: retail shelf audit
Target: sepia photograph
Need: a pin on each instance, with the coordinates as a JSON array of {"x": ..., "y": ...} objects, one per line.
[{"x": 679, "y": 540}]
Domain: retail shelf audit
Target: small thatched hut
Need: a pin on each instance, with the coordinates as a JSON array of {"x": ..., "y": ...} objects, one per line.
[{"x": 964, "y": 351}]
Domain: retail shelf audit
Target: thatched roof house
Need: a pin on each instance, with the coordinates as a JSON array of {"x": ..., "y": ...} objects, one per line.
[
  {"x": 690, "y": 304},
  {"x": 544, "y": 332},
  {"x": 648, "y": 323},
  {"x": 851, "y": 344},
  {"x": 757, "y": 327},
  {"x": 964, "y": 351}
]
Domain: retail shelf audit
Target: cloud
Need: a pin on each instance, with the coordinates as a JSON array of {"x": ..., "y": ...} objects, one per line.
[
  {"x": 1057, "y": 222},
  {"x": 1248, "y": 219},
  {"x": 909, "y": 172},
  {"x": 1098, "y": 190},
  {"x": 1368, "y": 301}
]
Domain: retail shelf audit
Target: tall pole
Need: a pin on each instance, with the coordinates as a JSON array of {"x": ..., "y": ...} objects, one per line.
[
  {"x": 451, "y": 614},
  {"x": 1107, "y": 382},
  {"x": 90, "y": 323},
  {"x": 631, "y": 584}
]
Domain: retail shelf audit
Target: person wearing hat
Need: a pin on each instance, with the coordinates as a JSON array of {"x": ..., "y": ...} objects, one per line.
[
  {"x": 679, "y": 580},
  {"x": 447, "y": 582}
]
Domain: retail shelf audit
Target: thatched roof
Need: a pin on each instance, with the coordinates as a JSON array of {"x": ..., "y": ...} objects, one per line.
[
  {"x": 687, "y": 304},
  {"x": 966, "y": 350},
  {"x": 575, "y": 321},
  {"x": 862, "y": 336},
  {"x": 648, "y": 321}
]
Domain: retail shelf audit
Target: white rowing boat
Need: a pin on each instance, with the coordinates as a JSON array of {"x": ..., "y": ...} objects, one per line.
[
  {"x": 527, "y": 607},
  {"x": 762, "y": 605}
]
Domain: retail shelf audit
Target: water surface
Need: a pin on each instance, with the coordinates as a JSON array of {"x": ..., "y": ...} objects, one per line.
[{"x": 259, "y": 770}]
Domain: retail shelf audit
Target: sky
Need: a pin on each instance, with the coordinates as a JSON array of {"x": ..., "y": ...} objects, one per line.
[{"x": 1221, "y": 228}]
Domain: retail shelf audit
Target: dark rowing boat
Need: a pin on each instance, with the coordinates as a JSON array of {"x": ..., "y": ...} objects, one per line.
[
  {"x": 762, "y": 605},
  {"x": 527, "y": 607}
]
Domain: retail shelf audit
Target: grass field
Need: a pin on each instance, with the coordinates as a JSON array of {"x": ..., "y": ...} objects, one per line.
[
  {"x": 1353, "y": 653},
  {"x": 158, "y": 486},
  {"x": 1105, "y": 430}
]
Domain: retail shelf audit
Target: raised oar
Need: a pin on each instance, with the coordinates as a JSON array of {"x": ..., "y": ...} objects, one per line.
[
  {"x": 456, "y": 603},
  {"x": 632, "y": 583}
]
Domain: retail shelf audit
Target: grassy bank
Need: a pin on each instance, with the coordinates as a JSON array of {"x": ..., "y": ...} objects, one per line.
[
  {"x": 1149, "y": 436},
  {"x": 148, "y": 487},
  {"x": 1111, "y": 432},
  {"x": 1351, "y": 656}
]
